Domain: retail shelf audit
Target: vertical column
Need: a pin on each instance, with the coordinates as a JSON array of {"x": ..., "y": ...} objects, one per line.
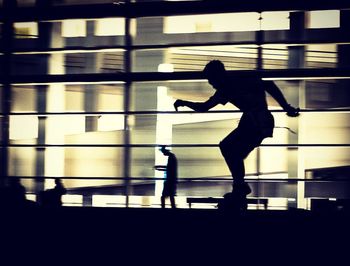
[
  {"x": 164, "y": 135},
  {"x": 8, "y": 35},
  {"x": 40, "y": 151},
  {"x": 295, "y": 96},
  {"x": 149, "y": 96},
  {"x": 259, "y": 67},
  {"x": 44, "y": 38},
  {"x": 259, "y": 41},
  {"x": 90, "y": 95},
  {"x": 55, "y": 102},
  {"x": 44, "y": 31},
  {"x": 343, "y": 85},
  {"x": 127, "y": 88}
]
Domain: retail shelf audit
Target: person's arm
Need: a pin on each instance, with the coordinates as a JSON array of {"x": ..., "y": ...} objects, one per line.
[
  {"x": 276, "y": 93},
  {"x": 197, "y": 106},
  {"x": 160, "y": 167}
]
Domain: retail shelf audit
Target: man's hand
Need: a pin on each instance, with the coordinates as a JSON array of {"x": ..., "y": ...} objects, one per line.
[
  {"x": 160, "y": 167},
  {"x": 292, "y": 111},
  {"x": 178, "y": 103}
]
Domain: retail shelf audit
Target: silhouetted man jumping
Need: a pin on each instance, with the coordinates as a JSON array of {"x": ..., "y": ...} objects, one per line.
[{"x": 256, "y": 123}]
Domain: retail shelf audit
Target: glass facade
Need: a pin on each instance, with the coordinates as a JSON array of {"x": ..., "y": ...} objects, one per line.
[{"x": 90, "y": 100}]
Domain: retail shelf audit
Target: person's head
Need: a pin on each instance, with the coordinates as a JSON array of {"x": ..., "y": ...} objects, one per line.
[
  {"x": 14, "y": 180},
  {"x": 164, "y": 150},
  {"x": 215, "y": 72}
]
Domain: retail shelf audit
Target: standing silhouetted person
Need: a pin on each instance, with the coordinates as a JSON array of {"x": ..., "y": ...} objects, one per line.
[
  {"x": 170, "y": 182},
  {"x": 53, "y": 197},
  {"x": 256, "y": 123},
  {"x": 16, "y": 193}
]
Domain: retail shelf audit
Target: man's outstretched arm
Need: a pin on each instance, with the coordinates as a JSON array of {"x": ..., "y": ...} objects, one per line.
[
  {"x": 196, "y": 106},
  {"x": 276, "y": 93},
  {"x": 160, "y": 167}
]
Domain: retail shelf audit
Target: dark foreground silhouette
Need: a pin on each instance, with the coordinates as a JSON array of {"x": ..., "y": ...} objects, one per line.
[
  {"x": 13, "y": 195},
  {"x": 170, "y": 182},
  {"x": 256, "y": 123},
  {"x": 52, "y": 198}
]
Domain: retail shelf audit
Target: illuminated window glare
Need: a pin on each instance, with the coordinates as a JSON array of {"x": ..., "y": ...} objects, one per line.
[
  {"x": 321, "y": 55},
  {"x": 26, "y": 29},
  {"x": 324, "y": 19},
  {"x": 73, "y": 28},
  {"x": 275, "y": 21},
  {"x": 227, "y": 22},
  {"x": 23, "y": 127},
  {"x": 110, "y": 122},
  {"x": 72, "y": 200},
  {"x": 212, "y": 23},
  {"x": 110, "y": 27}
]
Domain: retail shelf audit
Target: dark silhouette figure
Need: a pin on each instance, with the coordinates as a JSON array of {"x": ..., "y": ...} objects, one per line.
[
  {"x": 52, "y": 198},
  {"x": 170, "y": 182},
  {"x": 16, "y": 193},
  {"x": 256, "y": 123},
  {"x": 13, "y": 195}
]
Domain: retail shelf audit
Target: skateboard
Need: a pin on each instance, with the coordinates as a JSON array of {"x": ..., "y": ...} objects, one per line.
[{"x": 235, "y": 200}]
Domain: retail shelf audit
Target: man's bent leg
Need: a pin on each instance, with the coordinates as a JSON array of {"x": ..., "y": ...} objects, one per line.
[
  {"x": 234, "y": 163},
  {"x": 235, "y": 148},
  {"x": 237, "y": 169},
  {"x": 230, "y": 149}
]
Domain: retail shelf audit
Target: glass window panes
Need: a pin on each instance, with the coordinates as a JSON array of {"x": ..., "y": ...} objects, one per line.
[
  {"x": 26, "y": 29},
  {"x": 71, "y": 117},
  {"x": 69, "y": 62},
  {"x": 324, "y": 19},
  {"x": 68, "y": 98}
]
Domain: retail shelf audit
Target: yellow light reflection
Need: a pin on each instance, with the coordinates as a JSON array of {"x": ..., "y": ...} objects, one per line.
[
  {"x": 72, "y": 200},
  {"x": 163, "y": 133},
  {"x": 212, "y": 23},
  {"x": 23, "y": 127},
  {"x": 108, "y": 201},
  {"x": 26, "y": 29},
  {"x": 110, "y": 27},
  {"x": 166, "y": 68},
  {"x": 110, "y": 122},
  {"x": 73, "y": 28},
  {"x": 324, "y": 19},
  {"x": 231, "y": 22}
]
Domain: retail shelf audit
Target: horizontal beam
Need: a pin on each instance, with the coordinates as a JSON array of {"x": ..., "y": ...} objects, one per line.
[
  {"x": 163, "y": 8},
  {"x": 284, "y": 74},
  {"x": 155, "y": 112},
  {"x": 310, "y": 36},
  {"x": 285, "y": 145},
  {"x": 190, "y": 179}
]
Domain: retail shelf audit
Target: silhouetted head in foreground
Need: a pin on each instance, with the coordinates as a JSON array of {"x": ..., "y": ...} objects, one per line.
[
  {"x": 58, "y": 182},
  {"x": 164, "y": 150},
  {"x": 215, "y": 72}
]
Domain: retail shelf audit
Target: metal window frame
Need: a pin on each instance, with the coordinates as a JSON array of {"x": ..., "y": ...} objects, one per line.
[{"x": 10, "y": 14}]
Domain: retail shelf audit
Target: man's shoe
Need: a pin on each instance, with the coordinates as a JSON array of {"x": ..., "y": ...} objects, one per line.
[{"x": 244, "y": 188}]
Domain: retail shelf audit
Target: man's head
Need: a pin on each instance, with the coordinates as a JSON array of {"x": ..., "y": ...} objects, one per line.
[
  {"x": 215, "y": 72},
  {"x": 164, "y": 150}
]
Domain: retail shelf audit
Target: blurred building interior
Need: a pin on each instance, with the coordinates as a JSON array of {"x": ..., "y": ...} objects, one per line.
[{"x": 87, "y": 93}]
